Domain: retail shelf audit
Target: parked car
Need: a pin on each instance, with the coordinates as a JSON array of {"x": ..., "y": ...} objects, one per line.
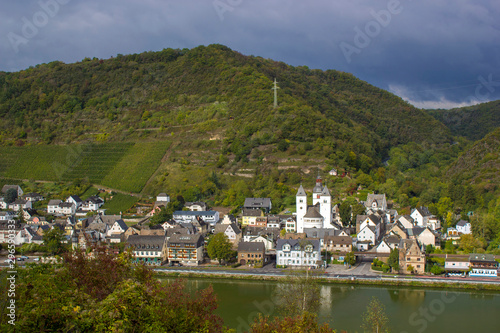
[
  {"x": 24, "y": 257},
  {"x": 9, "y": 261},
  {"x": 20, "y": 259},
  {"x": 36, "y": 259}
]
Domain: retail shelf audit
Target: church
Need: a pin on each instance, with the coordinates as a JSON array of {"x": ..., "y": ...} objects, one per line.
[{"x": 319, "y": 215}]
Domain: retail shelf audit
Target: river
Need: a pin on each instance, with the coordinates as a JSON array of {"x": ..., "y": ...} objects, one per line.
[{"x": 408, "y": 309}]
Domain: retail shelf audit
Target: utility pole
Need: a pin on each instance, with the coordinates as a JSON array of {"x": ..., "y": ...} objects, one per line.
[{"x": 275, "y": 88}]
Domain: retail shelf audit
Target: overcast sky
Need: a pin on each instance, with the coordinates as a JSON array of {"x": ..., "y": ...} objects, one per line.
[{"x": 433, "y": 53}]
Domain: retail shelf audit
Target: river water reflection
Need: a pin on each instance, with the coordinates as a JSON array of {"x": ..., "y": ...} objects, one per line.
[{"x": 409, "y": 309}]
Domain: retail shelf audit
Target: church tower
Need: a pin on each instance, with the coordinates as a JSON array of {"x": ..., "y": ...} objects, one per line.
[
  {"x": 317, "y": 190},
  {"x": 301, "y": 207},
  {"x": 326, "y": 207}
]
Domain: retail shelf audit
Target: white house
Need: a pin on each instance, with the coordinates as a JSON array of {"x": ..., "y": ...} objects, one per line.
[
  {"x": 463, "y": 227},
  {"x": 406, "y": 221},
  {"x": 53, "y": 206},
  {"x": 92, "y": 203},
  {"x": 383, "y": 247},
  {"x": 372, "y": 221},
  {"x": 75, "y": 200},
  {"x": 421, "y": 216},
  {"x": 20, "y": 204},
  {"x": 117, "y": 228},
  {"x": 290, "y": 225},
  {"x": 232, "y": 231},
  {"x": 163, "y": 197},
  {"x": 368, "y": 233},
  {"x": 7, "y": 216},
  {"x": 211, "y": 216},
  {"x": 298, "y": 253}
]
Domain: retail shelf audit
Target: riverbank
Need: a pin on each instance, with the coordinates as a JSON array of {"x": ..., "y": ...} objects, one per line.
[{"x": 382, "y": 281}]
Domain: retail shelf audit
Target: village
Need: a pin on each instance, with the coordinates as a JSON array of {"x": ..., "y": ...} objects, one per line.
[{"x": 311, "y": 238}]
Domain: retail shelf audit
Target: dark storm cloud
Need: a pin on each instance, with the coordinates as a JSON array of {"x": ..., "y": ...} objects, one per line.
[{"x": 434, "y": 53}]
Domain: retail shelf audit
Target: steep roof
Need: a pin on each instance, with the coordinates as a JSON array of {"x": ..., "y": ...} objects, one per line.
[
  {"x": 301, "y": 192},
  {"x": 325, "y": 191}
]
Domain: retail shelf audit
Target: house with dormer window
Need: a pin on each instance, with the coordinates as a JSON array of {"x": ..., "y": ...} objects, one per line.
[
  {"x": 298, "y": 253},
  {"x": 151, "y": 250}
]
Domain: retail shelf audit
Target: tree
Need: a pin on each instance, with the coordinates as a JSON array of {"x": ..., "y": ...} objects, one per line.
[
  {"x": 53, "y": 240},
  {"x": 374, "y": 319},
  {"x": 350, "y": 258},
  {"x": 468, "y": 243},
  {"x": 306, "y": 322},
  {"x": 298, "y": 294},
  {"x": 436, "y": 269},
  {"x": 10, "y": 196},
  {"x": 393, "y": 260},
  {"x": 345, "y": 211},
  {"x": 106, "y": 293},
  {"x": 219, "y": 247},
  {"x": 357, "y": 209},
  {"x": 410, "y": 268}
]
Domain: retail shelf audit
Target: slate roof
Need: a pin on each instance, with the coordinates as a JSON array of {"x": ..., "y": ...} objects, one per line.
[
  {"x": 424, "y": 211},
  {"x": 122, "y": 224},
  {"x": 54, "y": 202},
  {"x": 142, "y": 242},
  {"x": 5, "y": 188},
  {"x": 220, "y": 228},
  {"x": 76, "y": 198},
  {"x": 301, "y": 192},
  {"x": 257, "y": 203},
  {"x": 319, "y": 232},
  {"x": 194, "y": 213},
  {"x": 251, "y": 212},
  {"x": 251, "y": 247},
  {"x": 312, "y": 213},
  {"x": 196, "y": 239},
  {"x": 379, "y": 198},
  {"x": 482, "y": 257},
  {"x": 294, "y": 242},
  {"x": 340, "y": 240},
  {"x": 461, "y": 223},
  {"x": 325, "y": 191}
]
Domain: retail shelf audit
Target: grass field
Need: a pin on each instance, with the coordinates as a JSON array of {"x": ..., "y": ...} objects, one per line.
[
  {"x": 119, "y": 203},
  {"x": 133, "y": 171},
  {"x": 125, "y": 166}
]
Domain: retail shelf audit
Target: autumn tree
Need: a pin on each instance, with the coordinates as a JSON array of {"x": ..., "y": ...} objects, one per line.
[
  {"x": 298, "y": 294},
  {"x": 100, "y": 292},
  {"x": 374, "y": 319},
  {"x": 306, "y": 322}
]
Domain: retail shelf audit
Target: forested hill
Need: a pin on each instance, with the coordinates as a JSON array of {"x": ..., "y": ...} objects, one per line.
[
  {"x": 210, "y": 91},
  {"x": 472, "y": 122},
  {"x": 480, "y": 163}
]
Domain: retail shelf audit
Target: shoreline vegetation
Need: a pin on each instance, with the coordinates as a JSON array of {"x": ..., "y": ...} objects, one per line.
[{"x": 347, "y": 280}]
